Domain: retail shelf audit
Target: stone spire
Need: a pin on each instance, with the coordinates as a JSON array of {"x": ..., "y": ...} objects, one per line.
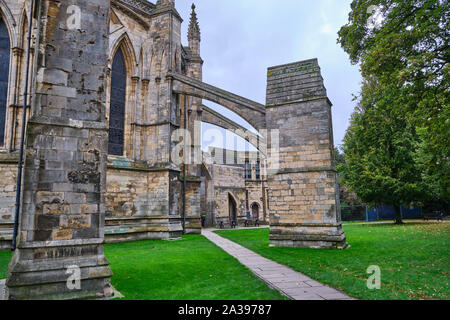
[
  {"x": 194, "y": 33},
  {"x": 194, "y": 29}
]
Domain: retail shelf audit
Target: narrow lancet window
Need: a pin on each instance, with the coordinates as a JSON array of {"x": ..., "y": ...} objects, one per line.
[
  {"x": 5, "y": 52},
  {"x": 117, "y": 107}
]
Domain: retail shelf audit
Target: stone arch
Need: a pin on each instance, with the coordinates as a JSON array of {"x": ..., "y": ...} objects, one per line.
[
  {"x": 123, "y": 42},
  {"x": 11, "y": 24},
  {"x": 212, "y": 117},
  {"x": 23, "y": 29},
  {"x": 252, "y": 112}
]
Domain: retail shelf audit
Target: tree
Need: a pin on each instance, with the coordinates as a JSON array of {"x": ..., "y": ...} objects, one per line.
[
  {"x": 405, "y": 65},
  {"x": 380, "y": 147},
  {"x": 347, "y": 196}
]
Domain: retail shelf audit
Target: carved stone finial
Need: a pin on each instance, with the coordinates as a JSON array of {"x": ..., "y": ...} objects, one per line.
[{"x": 194, "y": 28}]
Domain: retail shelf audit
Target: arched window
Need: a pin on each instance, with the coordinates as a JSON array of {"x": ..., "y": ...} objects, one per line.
[
  {"x": 117, "y": 107},
  {"x": 5, "y": 49}
]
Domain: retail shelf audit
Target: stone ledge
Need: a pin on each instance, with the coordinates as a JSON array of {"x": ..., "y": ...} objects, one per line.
[
  {"x": 302, "y": 170},
  {"x": 78, "y": 124},
  {"x": 9, "y": 158},
  {"x": 83, "y": 262},
  {"x": 59, "y": 243},
  {"x": 287, "y": 103},
  {"x": 300, "y": 224},
  {"x": 122, "y": 163},
  {"x": 143, "y": 218},
  {"x": 308, "y": 237},
  {"x": 309, "y": 244}
]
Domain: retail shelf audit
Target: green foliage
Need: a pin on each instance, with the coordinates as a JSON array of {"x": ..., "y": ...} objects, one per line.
[
  {"x": 413, "y": 259},
  {"x": 380, "y": 147},
  {"x": 400, "y": 132},
  {"x": 347, "y": 196}
]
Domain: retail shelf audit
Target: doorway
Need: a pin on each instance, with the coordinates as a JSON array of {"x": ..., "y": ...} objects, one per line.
[
  {"x": 232, "y": 209},
  {"x": 255, "y": 211}
]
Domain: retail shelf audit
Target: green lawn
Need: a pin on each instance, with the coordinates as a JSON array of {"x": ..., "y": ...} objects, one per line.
[
  {"x": 414, "y": 259},
  {"x": 188, "y": 269},
  {"x": 5, "y": 256}
]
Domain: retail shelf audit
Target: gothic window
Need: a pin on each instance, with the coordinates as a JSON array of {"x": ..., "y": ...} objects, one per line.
[
  {"x": 258, "y": 170},
  {"x": 4, "y": 75},
  {"x": 248, "y": 170},
  {"x": 117, "y": 106}
]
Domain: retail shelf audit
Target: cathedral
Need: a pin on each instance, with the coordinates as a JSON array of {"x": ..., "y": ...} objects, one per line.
[
  {"x": 113, "y": 147},
  {"x": 144, "y": 193}
]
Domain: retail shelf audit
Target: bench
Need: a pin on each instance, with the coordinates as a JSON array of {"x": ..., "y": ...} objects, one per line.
[
  {"x": 435, "y": 215},
  {"x": 247, "y": 222}
]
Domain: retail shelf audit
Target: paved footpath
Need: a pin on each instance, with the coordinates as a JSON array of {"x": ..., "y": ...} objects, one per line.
[{"x": 289, "y": 282}]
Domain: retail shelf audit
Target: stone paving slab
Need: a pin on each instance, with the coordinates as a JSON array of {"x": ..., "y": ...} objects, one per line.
[
  {"x": 290, "y": 283},
  {"x": 2, "y": 289}
]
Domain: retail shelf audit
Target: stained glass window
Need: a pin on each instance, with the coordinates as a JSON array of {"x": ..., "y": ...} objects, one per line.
[{"x": 117, "y": 107}]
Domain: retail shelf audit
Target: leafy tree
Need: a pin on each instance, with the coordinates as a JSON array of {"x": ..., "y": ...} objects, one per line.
[
  {"x": 405, "y": 64},
  {"x": 347, "y": 196}
]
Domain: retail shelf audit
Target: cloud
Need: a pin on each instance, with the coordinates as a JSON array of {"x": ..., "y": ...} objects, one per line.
[
  {"x": 241, "y": 39},
  {"x": 326, "y": 29}
]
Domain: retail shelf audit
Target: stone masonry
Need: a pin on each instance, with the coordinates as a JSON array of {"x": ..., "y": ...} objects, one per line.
[
  {"x": 303, "y": 193},
  {"x": 63, "y": 207},
  {"x": 76, "y": 196}
]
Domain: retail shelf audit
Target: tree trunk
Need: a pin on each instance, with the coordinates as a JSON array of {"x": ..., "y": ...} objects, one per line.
[{"x": 398, "y": 215}]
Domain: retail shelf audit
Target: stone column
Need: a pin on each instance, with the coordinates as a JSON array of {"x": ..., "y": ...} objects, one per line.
[
  {"x": 193, "y": 125},
  {"x": 303, "y": 191},
  {"x": 63, "y": 207}
]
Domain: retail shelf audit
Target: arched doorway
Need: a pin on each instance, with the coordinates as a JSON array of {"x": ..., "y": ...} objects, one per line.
[
  {"x": 5, "y": 54},
  {"x": 255, "y": 211},
  {"x": 117, "y": 106},
  {"x": 232, "y": 209}
]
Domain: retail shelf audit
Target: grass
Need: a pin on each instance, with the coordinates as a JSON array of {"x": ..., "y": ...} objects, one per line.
[
  {"x": 414, "y": 259},
  {"x": 389, "y": 221},
  {"x": 189, "y": 269},
  {"x": 5, "y": 257}
]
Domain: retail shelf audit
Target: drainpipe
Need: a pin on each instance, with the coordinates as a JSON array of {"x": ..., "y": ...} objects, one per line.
[
  {"x": 22, "y": 138},
  {"x": 184, "y": 165}
]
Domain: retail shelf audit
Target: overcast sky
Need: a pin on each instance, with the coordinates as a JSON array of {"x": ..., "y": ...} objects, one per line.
[{"x": 242, "y": 38}]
